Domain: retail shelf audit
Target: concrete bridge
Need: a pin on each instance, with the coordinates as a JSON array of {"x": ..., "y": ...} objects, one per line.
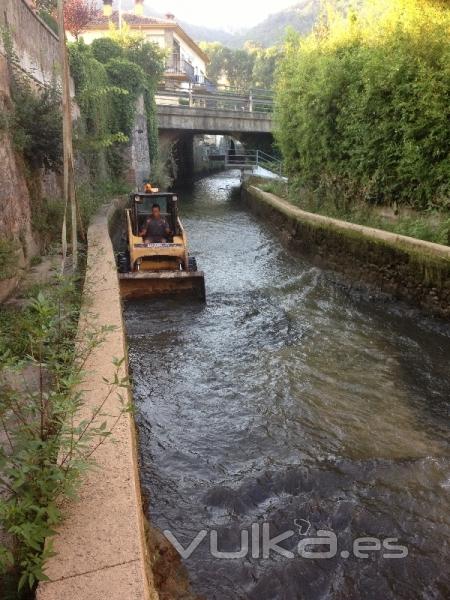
[
  {"x": 184, "y": 114},
  {"x": 198, "y": 120},
  {"x": 215, "y": 112}
]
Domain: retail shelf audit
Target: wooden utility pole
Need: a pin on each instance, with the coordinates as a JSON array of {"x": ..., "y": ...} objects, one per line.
[{"x": 69, "y": 180}]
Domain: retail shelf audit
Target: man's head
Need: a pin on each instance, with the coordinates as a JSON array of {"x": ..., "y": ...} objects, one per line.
[{"x": 156, "y": 211}]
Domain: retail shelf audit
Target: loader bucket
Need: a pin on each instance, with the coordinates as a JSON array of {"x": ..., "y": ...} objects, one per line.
[{"x": 164, "y": 283}]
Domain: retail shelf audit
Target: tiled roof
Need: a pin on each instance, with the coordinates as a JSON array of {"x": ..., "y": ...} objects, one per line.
[{"x": 130, "y": 18}]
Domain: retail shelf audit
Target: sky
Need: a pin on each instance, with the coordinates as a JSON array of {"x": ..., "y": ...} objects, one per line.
[{"x": 235, "y": 14}]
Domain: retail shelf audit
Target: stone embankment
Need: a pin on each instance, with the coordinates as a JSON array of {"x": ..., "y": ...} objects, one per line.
[{"x": 408, "y": 269}]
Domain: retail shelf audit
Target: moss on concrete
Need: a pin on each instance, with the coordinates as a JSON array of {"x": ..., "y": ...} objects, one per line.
[{"x": 414, "y": 270}]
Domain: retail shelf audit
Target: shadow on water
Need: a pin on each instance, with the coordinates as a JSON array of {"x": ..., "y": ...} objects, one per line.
[{"x": 287, "y": 401}]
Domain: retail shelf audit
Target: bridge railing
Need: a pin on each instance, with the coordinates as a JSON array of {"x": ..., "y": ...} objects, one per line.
[
  {"x": 224, "y": 100},
  {"x": 250, "y": 160}
]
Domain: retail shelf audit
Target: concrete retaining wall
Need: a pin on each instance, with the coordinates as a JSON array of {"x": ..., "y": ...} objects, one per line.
[
  {"x": 137, "y": 155},
  {"x": 101, "y": 548},
  {"x": 406, "y": 268}
]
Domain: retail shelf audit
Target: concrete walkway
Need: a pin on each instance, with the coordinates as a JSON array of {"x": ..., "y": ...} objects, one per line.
[{"x": 101, "y": 550}]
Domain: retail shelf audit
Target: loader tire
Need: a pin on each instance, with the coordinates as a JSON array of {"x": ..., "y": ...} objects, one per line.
[
  {"x": 123, "y": 262},
  {"x": 192, "y": 264}
]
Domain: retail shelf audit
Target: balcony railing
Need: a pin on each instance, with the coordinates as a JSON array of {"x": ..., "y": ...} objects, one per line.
[{"x": 178, "y": 66}]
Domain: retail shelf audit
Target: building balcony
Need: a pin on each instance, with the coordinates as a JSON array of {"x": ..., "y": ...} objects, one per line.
[{"x": 180, "y": 69}]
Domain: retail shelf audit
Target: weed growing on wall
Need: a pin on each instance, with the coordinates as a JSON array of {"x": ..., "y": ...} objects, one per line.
[
  {"x": 34, "y": 119},
  {"x": 8, "y": 258},
  {"x": 431, "y": 225}
]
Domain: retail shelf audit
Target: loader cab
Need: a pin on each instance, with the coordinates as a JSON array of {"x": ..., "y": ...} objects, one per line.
[{"x": 141, "y": 205}]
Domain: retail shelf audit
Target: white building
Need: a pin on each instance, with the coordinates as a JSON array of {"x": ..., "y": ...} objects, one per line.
[{"x": 185, "y": 60}]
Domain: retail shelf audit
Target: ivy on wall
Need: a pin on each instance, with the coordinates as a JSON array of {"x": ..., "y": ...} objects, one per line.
[{"x": 110, "y": 75}]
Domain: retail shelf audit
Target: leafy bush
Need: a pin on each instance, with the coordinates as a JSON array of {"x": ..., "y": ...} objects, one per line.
[
  {"x": 151, "y": 59},
  {"x": 47, "y": 220},
  {"x": 148, "y": 56},
  {"x": 91, "y": 197},
  {"x": 128, "y": 76},
  {"x": 362, "y": 105},
  {"x": 104, "y": 49},
  {"x": 109, "y": 76},
  {"x": 48, "y": 445},
  {"x": 94, "y": 135},
  {"x": 37, "y": 127}
]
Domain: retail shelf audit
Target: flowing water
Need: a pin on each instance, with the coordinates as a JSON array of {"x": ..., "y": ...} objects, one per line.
[{"x": 289, "y": 403}]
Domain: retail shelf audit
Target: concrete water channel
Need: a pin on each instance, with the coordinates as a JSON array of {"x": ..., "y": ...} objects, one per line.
[{"x": 288, "y": 406}]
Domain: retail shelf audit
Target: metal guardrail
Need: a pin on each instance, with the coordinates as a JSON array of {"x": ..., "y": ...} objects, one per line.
[
  {"x": 253, "y": 101},
  {"x": 250, "y": 160}
]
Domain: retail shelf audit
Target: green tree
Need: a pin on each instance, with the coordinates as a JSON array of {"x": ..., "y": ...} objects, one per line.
[
  {"x": 104, "y": 49},
  {"x": 265, "y": 66},
  {"x": 239, "y": 68},
  {"x": 217, "y": 53},
  {"x": 109, "y": 76},
  {"x": 252, "y": 66}
]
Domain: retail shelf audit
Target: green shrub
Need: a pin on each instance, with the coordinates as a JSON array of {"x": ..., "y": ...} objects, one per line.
[
  {"x": 109, "y": 76},
  {"x": 97, "y": 135},
  {"x": 91, "y": 197},
  {"x": 105, "y": 49},
  {"x": 128, "y": 76},
  {"x": 362, "y": 105},
  {"x": 47, "y": 220},
  {"x": 151, "y": 59},
  {"x": 48, "y": 444}
]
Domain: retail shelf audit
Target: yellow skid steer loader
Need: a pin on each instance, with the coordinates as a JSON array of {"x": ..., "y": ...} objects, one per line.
[{"x": 150, "y": 269}]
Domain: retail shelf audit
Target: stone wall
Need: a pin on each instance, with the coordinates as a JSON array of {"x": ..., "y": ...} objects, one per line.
[
  {"x": 408, "y": 269},
  {"x": 15, "y": 204},
  {"x": 36, "y": 47},
  {"x": 35, "y": 43}
]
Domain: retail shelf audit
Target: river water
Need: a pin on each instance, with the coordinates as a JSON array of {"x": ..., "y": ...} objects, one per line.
[{"x": 288, "y": 404}]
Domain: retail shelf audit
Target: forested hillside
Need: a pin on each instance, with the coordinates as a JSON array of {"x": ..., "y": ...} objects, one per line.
[{"x": 301, "y": 17}]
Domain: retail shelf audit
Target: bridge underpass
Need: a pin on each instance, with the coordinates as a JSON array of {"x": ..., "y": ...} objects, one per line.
[{"x": 184, "y": 114}]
